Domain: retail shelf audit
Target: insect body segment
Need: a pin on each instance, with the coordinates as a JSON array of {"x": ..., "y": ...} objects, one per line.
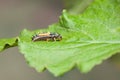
[{"x": 47, "y": 37}]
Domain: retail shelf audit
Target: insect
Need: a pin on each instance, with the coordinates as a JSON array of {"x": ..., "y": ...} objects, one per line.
[{"x": 47, "y": 37}]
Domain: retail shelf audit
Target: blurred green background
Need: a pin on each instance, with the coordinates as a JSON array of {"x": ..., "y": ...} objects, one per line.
[{"x": 15, "y": 15}]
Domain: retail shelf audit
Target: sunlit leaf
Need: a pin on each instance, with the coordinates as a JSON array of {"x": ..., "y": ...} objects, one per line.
[{"x": 88, "y": 39}]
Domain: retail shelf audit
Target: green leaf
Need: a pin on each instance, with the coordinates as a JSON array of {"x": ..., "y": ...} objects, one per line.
[
  {"x": 88, "y": 39},
  {"x": 7, "y": 43},
  {"x": 76, "y": 6}
]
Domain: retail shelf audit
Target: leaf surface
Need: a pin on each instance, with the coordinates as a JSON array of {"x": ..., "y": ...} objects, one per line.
[
  {"x": 76, "y": 6},
  {"x": 6, "y": 43},
  {"x": 88, "y": 39}
]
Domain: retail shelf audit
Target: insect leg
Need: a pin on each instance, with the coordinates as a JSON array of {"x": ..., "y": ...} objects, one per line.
[{"x": 54, "y": 39}]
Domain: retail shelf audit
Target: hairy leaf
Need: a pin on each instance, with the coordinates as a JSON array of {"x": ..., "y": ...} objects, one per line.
[{"x": 88, "y": 39}]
